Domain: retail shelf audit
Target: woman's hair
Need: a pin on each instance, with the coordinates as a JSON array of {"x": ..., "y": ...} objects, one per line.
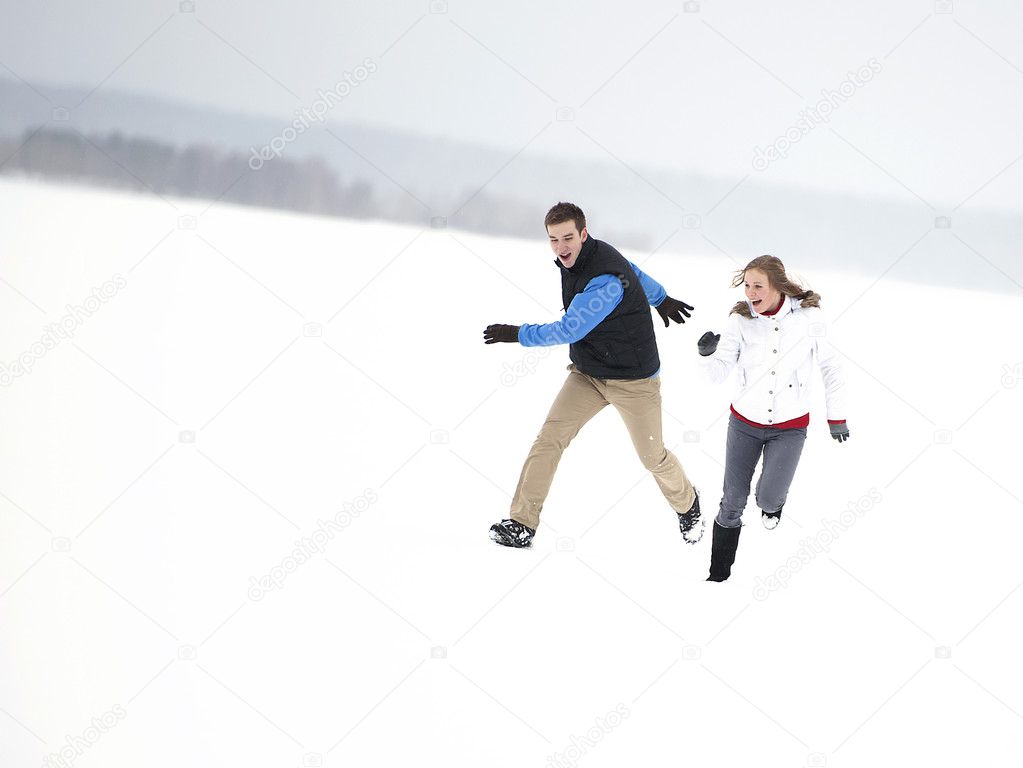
[{"x": 776, "y": 277}]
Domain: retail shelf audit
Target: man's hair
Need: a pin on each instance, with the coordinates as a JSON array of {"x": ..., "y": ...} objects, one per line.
[{"x": 563, "y": 212}]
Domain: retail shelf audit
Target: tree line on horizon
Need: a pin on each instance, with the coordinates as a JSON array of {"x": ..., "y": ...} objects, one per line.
[{"x": 306, "y": 185}]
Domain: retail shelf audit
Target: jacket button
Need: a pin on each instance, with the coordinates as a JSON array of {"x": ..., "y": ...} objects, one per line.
[
  {"x": 775, "y": 351},
  {"x": 769, "y": 410},
  {"x": 772, "y": 373},
  {"x": 770, "y": 391},
  {"x": 776, "y": 328}
]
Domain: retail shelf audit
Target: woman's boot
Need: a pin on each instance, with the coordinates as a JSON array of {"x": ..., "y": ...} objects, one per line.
[{"x": 722, "y": 551}]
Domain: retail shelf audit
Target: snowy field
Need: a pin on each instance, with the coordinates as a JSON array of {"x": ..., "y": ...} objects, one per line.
[{"x": 245, "y": 499}]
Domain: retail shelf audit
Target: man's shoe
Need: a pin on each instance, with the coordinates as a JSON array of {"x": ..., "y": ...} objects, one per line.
[
  {"x": 690, "y": 523},
  {"x": 510, "y": 533}
]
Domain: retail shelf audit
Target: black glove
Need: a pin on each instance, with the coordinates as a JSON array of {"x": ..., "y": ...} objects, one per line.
[
  {"x": 673, "y": 309},
  {"x": 708, "y": 343},
  {"x": 839, "y": 431},
  {"x": 496, "y": 333}
]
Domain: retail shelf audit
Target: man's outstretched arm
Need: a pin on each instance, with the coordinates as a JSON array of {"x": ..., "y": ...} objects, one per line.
[{"x": 601, "y": 295}]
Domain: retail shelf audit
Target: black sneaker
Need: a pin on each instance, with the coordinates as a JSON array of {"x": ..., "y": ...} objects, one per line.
[
  {"x": 690, "y": 523},
  {"x": 770, "y": 519},
  {"x": 510, "y": 533}
]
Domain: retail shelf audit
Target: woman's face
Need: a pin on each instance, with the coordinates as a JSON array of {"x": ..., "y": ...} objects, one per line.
[{"x": 759, "y": 291}]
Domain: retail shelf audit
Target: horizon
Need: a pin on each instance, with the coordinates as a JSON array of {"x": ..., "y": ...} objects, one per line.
[
  {"x": 890, "y": 193},
  {"x": 868, "y": 106}
]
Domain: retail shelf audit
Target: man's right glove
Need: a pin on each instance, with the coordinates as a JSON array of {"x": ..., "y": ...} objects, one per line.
[
  {"x": 839, "y": 431},
  {"x": 708, "y": 343},
  {"x": 495, "y": 333}
]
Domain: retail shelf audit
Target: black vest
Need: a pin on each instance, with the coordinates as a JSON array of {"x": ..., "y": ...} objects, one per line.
[{"x": 623, "y": 345}]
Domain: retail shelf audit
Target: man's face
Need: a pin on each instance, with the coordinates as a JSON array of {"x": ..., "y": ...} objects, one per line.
[{"x": 566, "y": 242}]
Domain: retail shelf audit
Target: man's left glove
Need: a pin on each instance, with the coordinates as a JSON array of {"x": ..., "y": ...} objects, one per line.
[
  {"x": 496, "y": 333},
  {"x": 673, "y": 309},
  {"x": 839, "y": 431}
]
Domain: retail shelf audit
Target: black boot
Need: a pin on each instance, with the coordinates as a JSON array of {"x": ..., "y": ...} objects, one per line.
[{"x": 722, "y": 551}]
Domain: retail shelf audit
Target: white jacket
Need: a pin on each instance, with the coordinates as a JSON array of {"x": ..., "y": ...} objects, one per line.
[{"x": 775, "y": 356}]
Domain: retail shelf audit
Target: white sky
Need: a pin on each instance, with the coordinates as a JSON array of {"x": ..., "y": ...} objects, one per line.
[{"x": 650, "y": 83}]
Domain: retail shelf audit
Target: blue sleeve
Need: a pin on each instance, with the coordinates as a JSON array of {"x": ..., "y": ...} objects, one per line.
[
  {"x": 654, "y": 291},
  {"x": 601, "y": 295}
]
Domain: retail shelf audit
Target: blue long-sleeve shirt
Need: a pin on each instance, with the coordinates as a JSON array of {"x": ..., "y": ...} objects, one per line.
[{"x": 587, "y": 310}]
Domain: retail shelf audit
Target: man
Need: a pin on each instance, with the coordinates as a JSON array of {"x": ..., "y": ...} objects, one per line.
[{"x": 613, "y": 349}]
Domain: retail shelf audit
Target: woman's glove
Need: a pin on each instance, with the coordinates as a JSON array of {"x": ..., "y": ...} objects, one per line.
[
  {"x": 708, "y": 343},
  {"x": 840, "y": 431}
]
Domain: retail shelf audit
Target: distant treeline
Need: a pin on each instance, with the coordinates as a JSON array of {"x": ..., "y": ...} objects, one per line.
[
  {"x": 308, "y": 184},
  {"x": 195, "y": 171}
]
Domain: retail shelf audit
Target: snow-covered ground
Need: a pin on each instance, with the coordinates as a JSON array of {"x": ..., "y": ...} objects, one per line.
[{"x": 244, "y": 384}]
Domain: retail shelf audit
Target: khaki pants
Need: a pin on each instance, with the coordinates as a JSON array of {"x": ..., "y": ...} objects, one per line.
[{"x": 638, "y": 401}]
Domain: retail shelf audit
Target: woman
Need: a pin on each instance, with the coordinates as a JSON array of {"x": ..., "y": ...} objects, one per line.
[{"x": 774, "y": 338}]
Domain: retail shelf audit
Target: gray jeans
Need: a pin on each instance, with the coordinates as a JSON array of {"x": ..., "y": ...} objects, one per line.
[{"x": 781, "y": 449}]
